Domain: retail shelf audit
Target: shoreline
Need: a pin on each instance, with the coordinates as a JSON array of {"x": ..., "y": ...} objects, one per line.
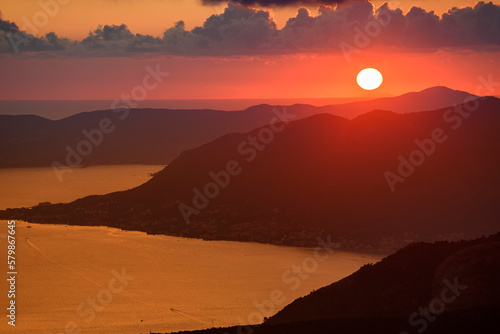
[{"x": 341, "y": 248}]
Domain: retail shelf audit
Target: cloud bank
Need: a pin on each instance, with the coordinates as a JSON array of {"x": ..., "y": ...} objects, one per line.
[{"x": 242, "y": 30}]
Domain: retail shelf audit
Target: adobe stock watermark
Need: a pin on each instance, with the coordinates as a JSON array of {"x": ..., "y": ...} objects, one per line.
[
  {"x": 364, "y": 35},
  {"x": 454, "y": 117},
  {"x": 48, "y": 10},
  {"x": 421, "y": 318},
  {"x": 249, "y": 148},
  {"x": 92, "y": 138},
  {"x": 293, "y": 279},
  {"x": 88, "y": 310}
]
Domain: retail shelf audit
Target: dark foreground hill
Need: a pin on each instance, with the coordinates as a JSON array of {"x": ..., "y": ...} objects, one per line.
[
  {"x": 149, "y": 136},
  {"x": 437, "y": 288},
  {"x": 412, "y": 278},
  {"x": 382, "y": 179},
  {"x": 481, "y": 320}
]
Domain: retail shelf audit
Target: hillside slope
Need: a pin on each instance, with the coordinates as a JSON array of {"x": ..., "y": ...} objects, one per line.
[
  {"x": 321, "y": 175},
  {"x": 150, "y": 136}
]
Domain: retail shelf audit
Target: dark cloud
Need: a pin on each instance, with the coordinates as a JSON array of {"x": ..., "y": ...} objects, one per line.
[
  {"x": 15, "y": 41},
  {"x": 12, "y": 39},
  {"x": 472, "y": 26},
  {"x": 119, "y": 38},
  {"x": 236, "y": 31},
  {"x": 243, "y": 30},
  {"x": 7, "y": 26},
  {"x": 461, "y": 27},
  {"x": 105, "y": 40}
]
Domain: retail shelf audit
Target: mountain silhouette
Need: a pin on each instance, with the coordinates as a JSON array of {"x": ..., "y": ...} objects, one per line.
[
  {"x": 380, "y": 180},
  {"x": 405, "y": 281},
  {"x": 154, "y": 136},
  {"x": 428, "y": 99}
]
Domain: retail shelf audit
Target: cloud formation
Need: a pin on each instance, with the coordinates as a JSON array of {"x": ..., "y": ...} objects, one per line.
[
  {"x": 111, "y": 38},
  {"x": 12, "y": 39},
  {"x": 7, "y": 26},
  {"x": 242, "y": 30},
  {"x": 236, "y": 31}
]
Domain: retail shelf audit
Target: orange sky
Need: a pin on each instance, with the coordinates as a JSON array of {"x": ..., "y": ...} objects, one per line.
[
  {"x": 298, "y": 76},
  {"x": 78, "y": 17},
  {"x": 281, "y": 76}
]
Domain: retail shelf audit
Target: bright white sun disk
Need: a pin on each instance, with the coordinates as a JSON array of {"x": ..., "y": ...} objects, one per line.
[{"x": 369, "y": 79}]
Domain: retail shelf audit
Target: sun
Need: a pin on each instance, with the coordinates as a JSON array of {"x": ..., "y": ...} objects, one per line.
[{"x": 369, "y": 79}]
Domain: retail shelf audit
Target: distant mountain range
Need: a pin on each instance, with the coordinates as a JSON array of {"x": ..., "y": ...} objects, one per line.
[
  {"x": 379, "y": 180},
  {"x": 444, "y": 288},
  {"x": 154, "y": 136}
]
